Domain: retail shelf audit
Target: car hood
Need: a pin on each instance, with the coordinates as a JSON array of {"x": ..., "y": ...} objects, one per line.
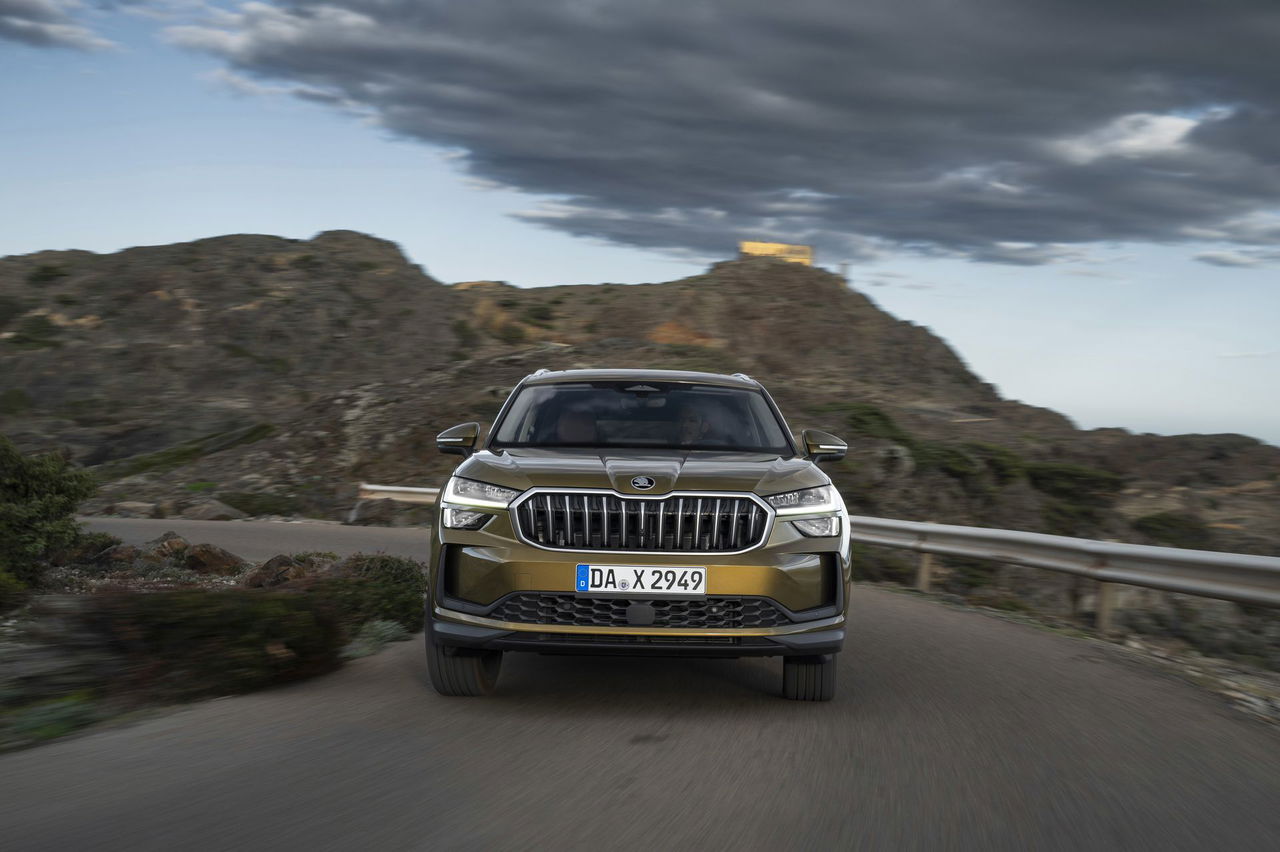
[{"x": 613, "y": 469}]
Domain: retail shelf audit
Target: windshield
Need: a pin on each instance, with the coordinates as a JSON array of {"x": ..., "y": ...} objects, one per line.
[{"x": 657, "y": 415}]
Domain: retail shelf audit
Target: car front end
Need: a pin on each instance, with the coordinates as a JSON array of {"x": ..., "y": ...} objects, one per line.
[{"x": 690, "y": 550}]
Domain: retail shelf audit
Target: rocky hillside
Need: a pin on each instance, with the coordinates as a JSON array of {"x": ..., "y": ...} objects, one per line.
[{"x": 275, "y": 374}]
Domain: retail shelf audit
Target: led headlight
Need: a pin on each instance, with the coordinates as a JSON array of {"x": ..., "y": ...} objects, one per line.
[
  {"x": 468, "y": 492},
  {"x": 806, "y": 501},
  {"x": 827, "y": 526},
  {"x": 455, "y": 518}
]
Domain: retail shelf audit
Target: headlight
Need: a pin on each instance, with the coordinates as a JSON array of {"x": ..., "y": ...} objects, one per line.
[
  {"x": 808, "y": 500},
  {"x": 468, "y": 492},
  {"x": 819, "y": 526},
  {"x": 464, "y": 519}
]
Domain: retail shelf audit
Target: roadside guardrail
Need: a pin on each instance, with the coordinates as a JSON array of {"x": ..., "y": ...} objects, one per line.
[
  {"x": 1237, "y": 577},
  {"x": 404, "y": 494}
]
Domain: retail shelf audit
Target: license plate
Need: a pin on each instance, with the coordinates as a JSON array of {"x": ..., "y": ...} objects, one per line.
[{"x": 641, "y": 580}]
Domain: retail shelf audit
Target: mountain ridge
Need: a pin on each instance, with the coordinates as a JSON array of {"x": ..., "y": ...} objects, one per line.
[{"x": 252, "y": 364}]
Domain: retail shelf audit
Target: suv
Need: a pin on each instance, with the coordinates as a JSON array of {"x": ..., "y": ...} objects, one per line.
[{"x": 638, "y": 512}]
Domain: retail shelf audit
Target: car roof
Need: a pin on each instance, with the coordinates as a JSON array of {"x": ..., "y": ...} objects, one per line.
[{"x": 551, "y": 377}]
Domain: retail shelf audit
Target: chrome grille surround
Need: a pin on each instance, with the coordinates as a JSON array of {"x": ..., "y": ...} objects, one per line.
[{"x": 591, "y": 520}]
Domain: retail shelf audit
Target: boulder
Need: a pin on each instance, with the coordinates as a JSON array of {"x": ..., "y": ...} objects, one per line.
[
  {"x": 283, "y": 569},
  {"x": 134, "y": 509},
  {"x": 211, "y": 559},
  {"x": 125, "y": 553},
  {"x": 168, "y": 545},
  {"x": 208, "y": 509}
]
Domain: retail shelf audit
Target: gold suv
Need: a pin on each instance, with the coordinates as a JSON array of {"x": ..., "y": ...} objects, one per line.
[{"x": 638, "y": 512}]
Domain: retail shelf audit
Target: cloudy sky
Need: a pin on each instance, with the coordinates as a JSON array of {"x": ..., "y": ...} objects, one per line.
[{"x": 1082, "y": 196}]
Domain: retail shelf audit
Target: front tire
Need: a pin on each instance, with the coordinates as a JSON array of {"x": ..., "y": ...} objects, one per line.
[
  {"x": 809, "y": 678},
  {"x": 462, "y": 671}
]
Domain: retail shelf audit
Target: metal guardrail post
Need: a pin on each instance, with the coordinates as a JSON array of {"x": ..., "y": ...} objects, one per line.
[
  {"x": 1104, "y": 617},
  {"x": 924, "y": 574}
]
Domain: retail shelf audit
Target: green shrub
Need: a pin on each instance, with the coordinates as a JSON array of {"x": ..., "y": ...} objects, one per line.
[
  {"x": 10, "y": 309},
  {"x": 258, "y": 503},
  {"x": 184, "y": 453},
  {"x": 866, "y": 419},
  {"x": 1084, "y": 486},
  {"x": 14, "y": 401},
  {"x": 83, "y": 550},
  {"x": 274, "y": 364},
  {"x": 952, "y": 461},
  {"x": 377, "y": 587},
  {"x": 538, "y": 314},
  {"x": 13, "y": 592},
  {"x": 55, "y": 717},
  {"x": 188, "y": 643},
  {"x": 35, "y": 332},
  {"x": 997, "y": 599},
  {"x": 465, "y": 333},
  {"x": 1062, "y": 517},
  {"x": 881, "y": 564},
  {"x": 511, "y": 333},
  {"x": 38, "y": 499},
  {"x": 963, "y": 575},
  {"x": 373, "y": 637},
  {"x": 1176, "y": 530},
  {"x": 1005, "y": 465},
  {"x": 46, "y": 273},
  {"x": 200, "y": 487}
]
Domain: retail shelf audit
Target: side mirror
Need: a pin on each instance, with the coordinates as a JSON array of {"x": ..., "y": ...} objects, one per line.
[
  {"x": 459, "y": 440},
  {"x": 822, "y": 447}
]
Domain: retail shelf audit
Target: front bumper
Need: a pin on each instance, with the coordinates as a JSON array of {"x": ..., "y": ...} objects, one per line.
[
  {"x": 474, "y": 571},
  {"x": 459, "y": 630}
]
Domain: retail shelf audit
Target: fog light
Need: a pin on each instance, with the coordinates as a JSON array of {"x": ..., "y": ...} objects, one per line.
[{"x": 819, "y": 526}]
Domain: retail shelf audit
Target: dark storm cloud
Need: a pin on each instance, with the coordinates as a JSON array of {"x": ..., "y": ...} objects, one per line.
[
  {"x": 46, "y": 23},
  {"x": 999, "y": 130}
]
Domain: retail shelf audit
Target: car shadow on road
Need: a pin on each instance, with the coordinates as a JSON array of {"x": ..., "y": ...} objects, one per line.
[{"x": 537, "y": 682}]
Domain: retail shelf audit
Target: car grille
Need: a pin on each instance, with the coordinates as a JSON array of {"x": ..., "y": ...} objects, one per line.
[
  {"x": 672, "y": 524},
  {"x": 539, "y": 608}
]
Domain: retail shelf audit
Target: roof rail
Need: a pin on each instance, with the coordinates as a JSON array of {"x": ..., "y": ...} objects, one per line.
[
  {"x": 744, "y": 377},
  {"x": 539, "y": 372}
]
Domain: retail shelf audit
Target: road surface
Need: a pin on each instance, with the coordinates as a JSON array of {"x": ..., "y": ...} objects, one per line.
[{"x": 951, "y": 730}]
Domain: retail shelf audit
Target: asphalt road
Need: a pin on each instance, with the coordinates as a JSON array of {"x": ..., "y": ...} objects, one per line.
[{"x": 951, "y": 730}]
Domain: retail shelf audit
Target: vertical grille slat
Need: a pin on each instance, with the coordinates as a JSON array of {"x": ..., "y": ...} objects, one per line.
[
  {"x": 612, "y": 522},
  {"x": 623, "y": 514},
  {"x": 715, "y": 529},
  {"x": 679, "y": 544},
  {"x": 605, "y": 512},
  {"x": 697, "y": 526}
]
